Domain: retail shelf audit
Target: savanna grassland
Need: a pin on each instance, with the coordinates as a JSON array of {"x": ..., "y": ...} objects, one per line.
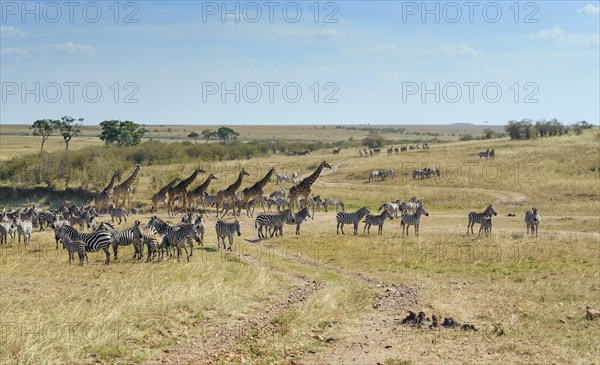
[{"x": 321, "y": 297}]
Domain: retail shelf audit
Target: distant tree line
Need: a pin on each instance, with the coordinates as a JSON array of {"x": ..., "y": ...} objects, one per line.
[{"x": 527, "y": 129}]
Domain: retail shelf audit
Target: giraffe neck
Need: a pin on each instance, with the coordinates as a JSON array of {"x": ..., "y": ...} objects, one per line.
[
  {"x": 110, "y": 184},
  {"x": 262, "y": 182},
  {"x": 185, "y": 183},
  {"x": 233, "y": 187},
  {"x": 129, "y": 181},
  {"x": 166, "y": 187},
  {"x": 202, "y": 188},
  {"x": 307, "y": 183}
]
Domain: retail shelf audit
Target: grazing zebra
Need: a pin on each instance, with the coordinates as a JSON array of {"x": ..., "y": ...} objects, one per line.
[
  {"x": 24, "y": 228},
  {"x": 485, "y": 226},
  {"x": 270, "y": 202},
  {"x": 73, "y": 246},
  {"x": 95, "y": 241},
  {"x": 475, "y": 217},
  {"x": 387, "y": 173},
  {"x": 337, "y": 202},
  {"x": 336, "y": 151},
  {"x": 299, "y": 218},
  {"x": 278, "y": 194},
  {"x": 403, "y": 149},
  {"x": 419, "y": 174},
  {"x": 374, "y": 175},
  {"x": 120, "y": 213},
  {"x": 392, "y": 207},
  {"x": 275, "y": 221},
  {"x": 225, "y": 229},
  {"x": 180, "y": 236},
  {"x": 412, "y": 220},
  {"x": 485, "y": 154},
  {"x": 281, "y": 178},
  {"x": 376, "y": 220},
  {"x": 532, "y": 219},
  {"x": 3, "y": 234},
  {"x": 350, "y": 218}
]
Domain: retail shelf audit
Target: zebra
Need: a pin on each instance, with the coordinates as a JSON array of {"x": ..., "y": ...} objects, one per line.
[
  {"x": 24, "y": 228},
  {"x": 8, "y": 230},
  {"x": 210, "y": 199},
  {"x": 387, "y": 173},
  {"x": 295, "y": 175},
  {"x": 124, "y": 238},
  {"x": 120, "y": 213},
  {"x": 278, "y": 194},
  {"x": 396, "y": 151},
  {"x": 492, "y": 153},
  {"x": 270, "y": 202},
  {"x": 299, "y": 218},
  {"x": 83, "y": 220},
  {"x": 275, "y": 221},
  {"x": 411, "y": 205},
  {"x": 403, "y": 149},
  {"x": 392, "y": 207},
  {"x": 3, "y": 234},
  {"x": 431, "y": 171},
  {"x": 179, "y": 236},
  {"x": 198, "y": 220},
  {"x": 475, "y": 217},
  {"x": 150, "y": 237},
  {"x": 390, "y": 151},
  {"x": 281, "y": 178},
  {"x": 73, "y": 246},
  {"x": 412, "y": 220},
  {"x": 485, "y": 225},
  {"x": 350, "y": 218},
  {"x": 95, "y": 241},
  {"x": 425, "y": 146},
  {"x": 225, "y": 229},
  {"x": 374, "y": 175},
  {"x": 338, "y": 204},
  {"x": 419, "y": 174},
  {"x": 282, "y": 203},
  {"x": 161, "y": 226},
  {"x": 376, "y": 220},
  {"x": 485, "y": 154},
  {"x": 532, "y": 219},
  {"x": 336, "y": 151},
  {"x": 45, "y": 217}
]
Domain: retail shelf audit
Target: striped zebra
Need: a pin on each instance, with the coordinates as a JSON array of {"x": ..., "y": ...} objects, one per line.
[
  {"x": 150, "y": 237},
  {"x": 45, "y": 217},
  {"x": 3, "y": 234},
  {"x": 475, "y": 217},
  {"x": 387, "y": 173},
  {"x": 376, "y": 220},
  {"x": 411, "y": 205},
  {"x": 120, "y": 213},
  {"x": 56, "y": 224},
  {"x": 532, "y": 219},
  {"x": 350, "y": 218},
  {"x": 270, "y": 202},
  {"x": 274, "y": 221},
  {"x": 124, "y": 238},
  {"x": 337, "y": 203},
  {"x": 392, "y": 207},
  {"x": 299, "y": 218},
  {"x": 178, "y": 238},
  {"x": 485, "y": 154},
  {"x": 374, "y": 175},
  {"x": 282, "y": 203},
  {"x": 161, "y": 226},
  {"x": 197, "y": 220},
  {"x": 9, "y": 231},
  {"x": 225, "y": 229},
  {"x": 73, "y": 246},
  {"x": 485, "y": 226},
  {"x": 86, "y": 219},
  {"x": 412, "y": 220},
  {"x": 419, "y": 174},
  {"x": 281, "y": 178},
  {"x": 94, "y": 242},
  {"x": 23, "y": 228},
  {"x": 278, "y": 194}
]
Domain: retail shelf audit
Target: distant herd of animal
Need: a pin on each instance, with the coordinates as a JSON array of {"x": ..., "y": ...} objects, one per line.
[{"x": 162, "y": 237}]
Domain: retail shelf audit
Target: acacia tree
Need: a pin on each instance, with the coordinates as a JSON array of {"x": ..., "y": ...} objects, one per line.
[
  {"x": 226, "y": 133},
  {"x": 68, "y": 127},
  {"x": 121, "y": 133},
  {"x": 194, "y": 136},
  {"x": 208, "y": 134},
  {"x": 43, "y": 128}
]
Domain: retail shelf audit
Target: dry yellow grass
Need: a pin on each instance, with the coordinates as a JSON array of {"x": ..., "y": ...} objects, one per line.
[{"x": 527, "y": 296}]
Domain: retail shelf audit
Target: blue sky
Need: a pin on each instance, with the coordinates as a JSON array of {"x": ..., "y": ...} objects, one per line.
[{"x": 352, "y": 62}]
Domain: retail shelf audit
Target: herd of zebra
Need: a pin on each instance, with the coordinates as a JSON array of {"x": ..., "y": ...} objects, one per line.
[
  {"x": 162, "y": 237},
  {"x": 390, "y": 151}
]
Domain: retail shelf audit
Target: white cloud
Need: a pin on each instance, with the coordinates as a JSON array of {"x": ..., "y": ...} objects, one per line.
[
  {"x": 67, "y": 47},
  {"x": 590, "y": 9},
  {"x": 13, "y": 51},
  {"x": 446, "y": 50},
  {"x": 48, "y": 49},
  {"x": 8, "y": 32},
  {"x": 557, "y": 34},
  {"x": 326, "y": 33}
]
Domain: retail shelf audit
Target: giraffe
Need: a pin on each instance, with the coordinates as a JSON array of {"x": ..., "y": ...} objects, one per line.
[
  {"x": 228, "y": 195},
  {"x": 101, "y": 200},
  {"x": 181, "y": 190},
  {"x": 198, "y": 193},
  {"x": 161, "y": 196},
  {"x": 302, "y": 189},
  {"x": 124, "y": 190},
  {"x": 256, "y": 191}
]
